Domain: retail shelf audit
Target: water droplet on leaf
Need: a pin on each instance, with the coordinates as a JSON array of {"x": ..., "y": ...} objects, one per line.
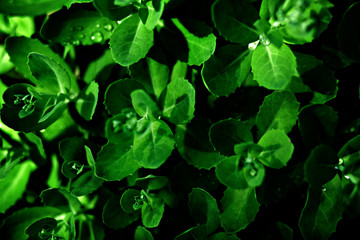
[
  {"x": 324, "y": 189},
  {"x": 97, "y": 37},
  {"x": 264, "y": 40},
  {"x": 97, "y": 25},
  {"x": 347, "y": 176},
  {"x": 253, "y": 172},
  {"x": 252, "y": 46},
  {"x": 108, "y": 27},
  {"x": 75, "y": 42},
  {"x": 82, "y": 36}
]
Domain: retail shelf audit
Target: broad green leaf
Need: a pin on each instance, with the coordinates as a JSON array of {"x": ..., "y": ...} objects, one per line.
[
  {"x": 50, "y": 75},
  {"x": 127, "y": 200},
  {"x": 61, "y": 199},
  {"x": 142, "y": 234},
  {"x": 117, "y": 95},
  {"x": 62, "y": 125},
  {"x": 179, "y": 70},
  {"x": 226, "y": 133},
  {"x": 85, "y": 184},
  {"x": 223, "y": 236},
  {"x": 278, "y": 111},
  {"x": 77, "y": 26},
  {"x": 322, "y": 211},
  {"x": 226, "y": 70},
  {"x": 73, "y": 152},
  {"x": 204, "y": 209},
  {"x": 153, "y": 144},
  {"x": 30, "y": 7},
  {"x": 153, "y": 14},
  {"x": 200, "y": 48},
  {"x": 317, "y": 124},
  {"x": 19, "y": 49},
  {"x": 37, "y": 228},
  {"x": 277, "y": 149},
  {"x": 115, "y": 162},
  {"x": 14, "y": 226},
  {"x": 192, "y": 142},
  {"x": 234, "y": 20},
  {"x": 17, "y": 25},
  {"x": 347, "y": 34},
  {"x": 113, "y": 216},
  {"x": 179, "y": 101},
  {"x": 120, "y": 128},
  {"x": 111, "y": 11},
  {"x": 14, "y": 184},
  {"x": 319, "y": 167},
  {"x": 144, "y": 105},
  {"x": 151, "y": 215},
  {"x": 159, "y": 75},
  {"x": 5, "y": 64},
  {"x": 239, "y": 209},
  {"x": 130, "y": 41},
  {"x": 87, "y": 101},
  {"x": 273, "y": 67}
]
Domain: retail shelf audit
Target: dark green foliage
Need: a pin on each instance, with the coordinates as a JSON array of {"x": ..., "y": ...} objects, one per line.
[{"x": 179, "y": 119}]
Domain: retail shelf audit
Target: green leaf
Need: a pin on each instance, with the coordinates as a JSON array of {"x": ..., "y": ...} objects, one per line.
[
  {"x": 122, "y": 3},
  {"x": 120, "y": 128},
  {"x": 30, "y": 7},
  {"x": 317, "y": 124},
  {"x": 204, "y": 209},
  {"x": 319, "y": 167},
  {"x": 114, "y": 216},
  {"x": 142, "y": 234},
  {"x": 226, "y": 133},
  {"x": 85, "y": 184},
  {"x": 349, "y": 155},
  {"x": 42, "y": 227},
  {"x": 49, "y": 74},
  {"x": 151, "y": 214},
  {"x": 226, "y": 70},
  {"x": 277, "y": 149},
  {"x": 111, "y": 11},
  {"x": 159, "y": 75},
  {"x": 152, "y": 182},
  {"x": 68, "y": 3},
  {"x": 144, "y": 105},
  {"x": 127, "y": 200},
  {"x": 273, "y": 67},
  {"x": 14, "y": 226},
  {"x": 14, "y": 184},
  {"x": 77, "y": 26},
  {"x": 179, "y": 101},
  {"x": 323, "y": 209},
  {"x": 87, "y": 101},
  {"x": 192, "y": 142},
  {"x": 61, "y": 199},
  {"x": 130, "y": 41},
  {"x": 347, "y": 35},
  {"x": 234, "y": 20},
  {"x": 115, "y": 162},
  {"x": 153, "y": 14},
  {"x": 179, "y": 70},
  {"x": 99, "y": 68},
  {"x": 117, "y": 95},
  {"x": 200, "y": 48},
  {"x": 19, "y": 49},
  {"x": 154, "y": 144},
  {"x": 239, "y": 209},
  {"x": 278, "y": 111}
]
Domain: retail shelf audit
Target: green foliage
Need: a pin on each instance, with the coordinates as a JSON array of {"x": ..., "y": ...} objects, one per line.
[{"x": 177, "y": 119}]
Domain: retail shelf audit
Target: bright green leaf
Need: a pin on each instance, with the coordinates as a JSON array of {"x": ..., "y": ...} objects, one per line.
[
  {"x": 151, "y": 214},
  {"x": 30, "y": 7},
  {"x": 159, "y": 75},
  {"x": 87, "y": 101},
  {"x": 144, "y": 105}
]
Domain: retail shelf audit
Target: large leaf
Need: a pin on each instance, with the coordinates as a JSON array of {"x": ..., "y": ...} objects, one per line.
[
  {"x": 322, "y": 211},
  {"x": 154, "y": 144},
  {"x": 130, "y": 41},
  {"x": 277, "y": 149},
  {"x": 279, "y": 111},
  {"x": 239, "y": 209},
  {"x": 204, "y": 209},
  {"x": 30, "y": 7},
  {"x": 115, "y": 162},
  {"x": 77, "y": 26},
  {"x": 234, "y": 20},
  {"x": 200, "y": 48},
  {"x": 273, "y": 67},
  {"x": 14, "y": 184},
  {"x": 179, "y": 101}
]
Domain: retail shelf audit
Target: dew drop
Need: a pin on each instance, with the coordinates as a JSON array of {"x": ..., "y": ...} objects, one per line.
[
  {"x": 347, "y": 176},
  {"x": 75, "y": 42},
  {"x": 97, "y": 25},
  {"x": 253, "y": 172},
  {"x": 97, "y": 37},
  {"x": 341, "y": 161},
  {"x": 118, "y": 22},
  {"x": 264, "y": 40},
  {"x": 252, "y": 46},
  {"x": 108, "y": 27},
  {"x": 82, "y": 36},
  {"x": 324, "y": 189}
]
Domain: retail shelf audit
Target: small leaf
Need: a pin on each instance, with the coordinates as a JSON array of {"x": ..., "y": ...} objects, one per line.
[
  {"x": 61, "y": 199},
  {"x": 142, "y": 234},
  {"x": 151, "y": 214},
  {"x": 226, "y": 70},
  {"x": 144, "y": 105},
  {"x": 179, "y": 101},
  {"x": 87, "y": 101},
  {"x": 154, "y": 15},
  {"x": 277, "y": 149},
  {"x": 279, "y": 111},
  {"x": 130, "y": 41},
  {"x": 159, "y": 74},
  {"x": 239, "y": 209},
  {"x": 273, "y": 67},
  {"x": 128, "y": 200},
  {"x": 153, "y": 145},
  {"x": 322, "y": 211},
  {"x": 85, "y": 184},
  {"x": 42, "y": 228},
  {"x": 204, "y": 210}
]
